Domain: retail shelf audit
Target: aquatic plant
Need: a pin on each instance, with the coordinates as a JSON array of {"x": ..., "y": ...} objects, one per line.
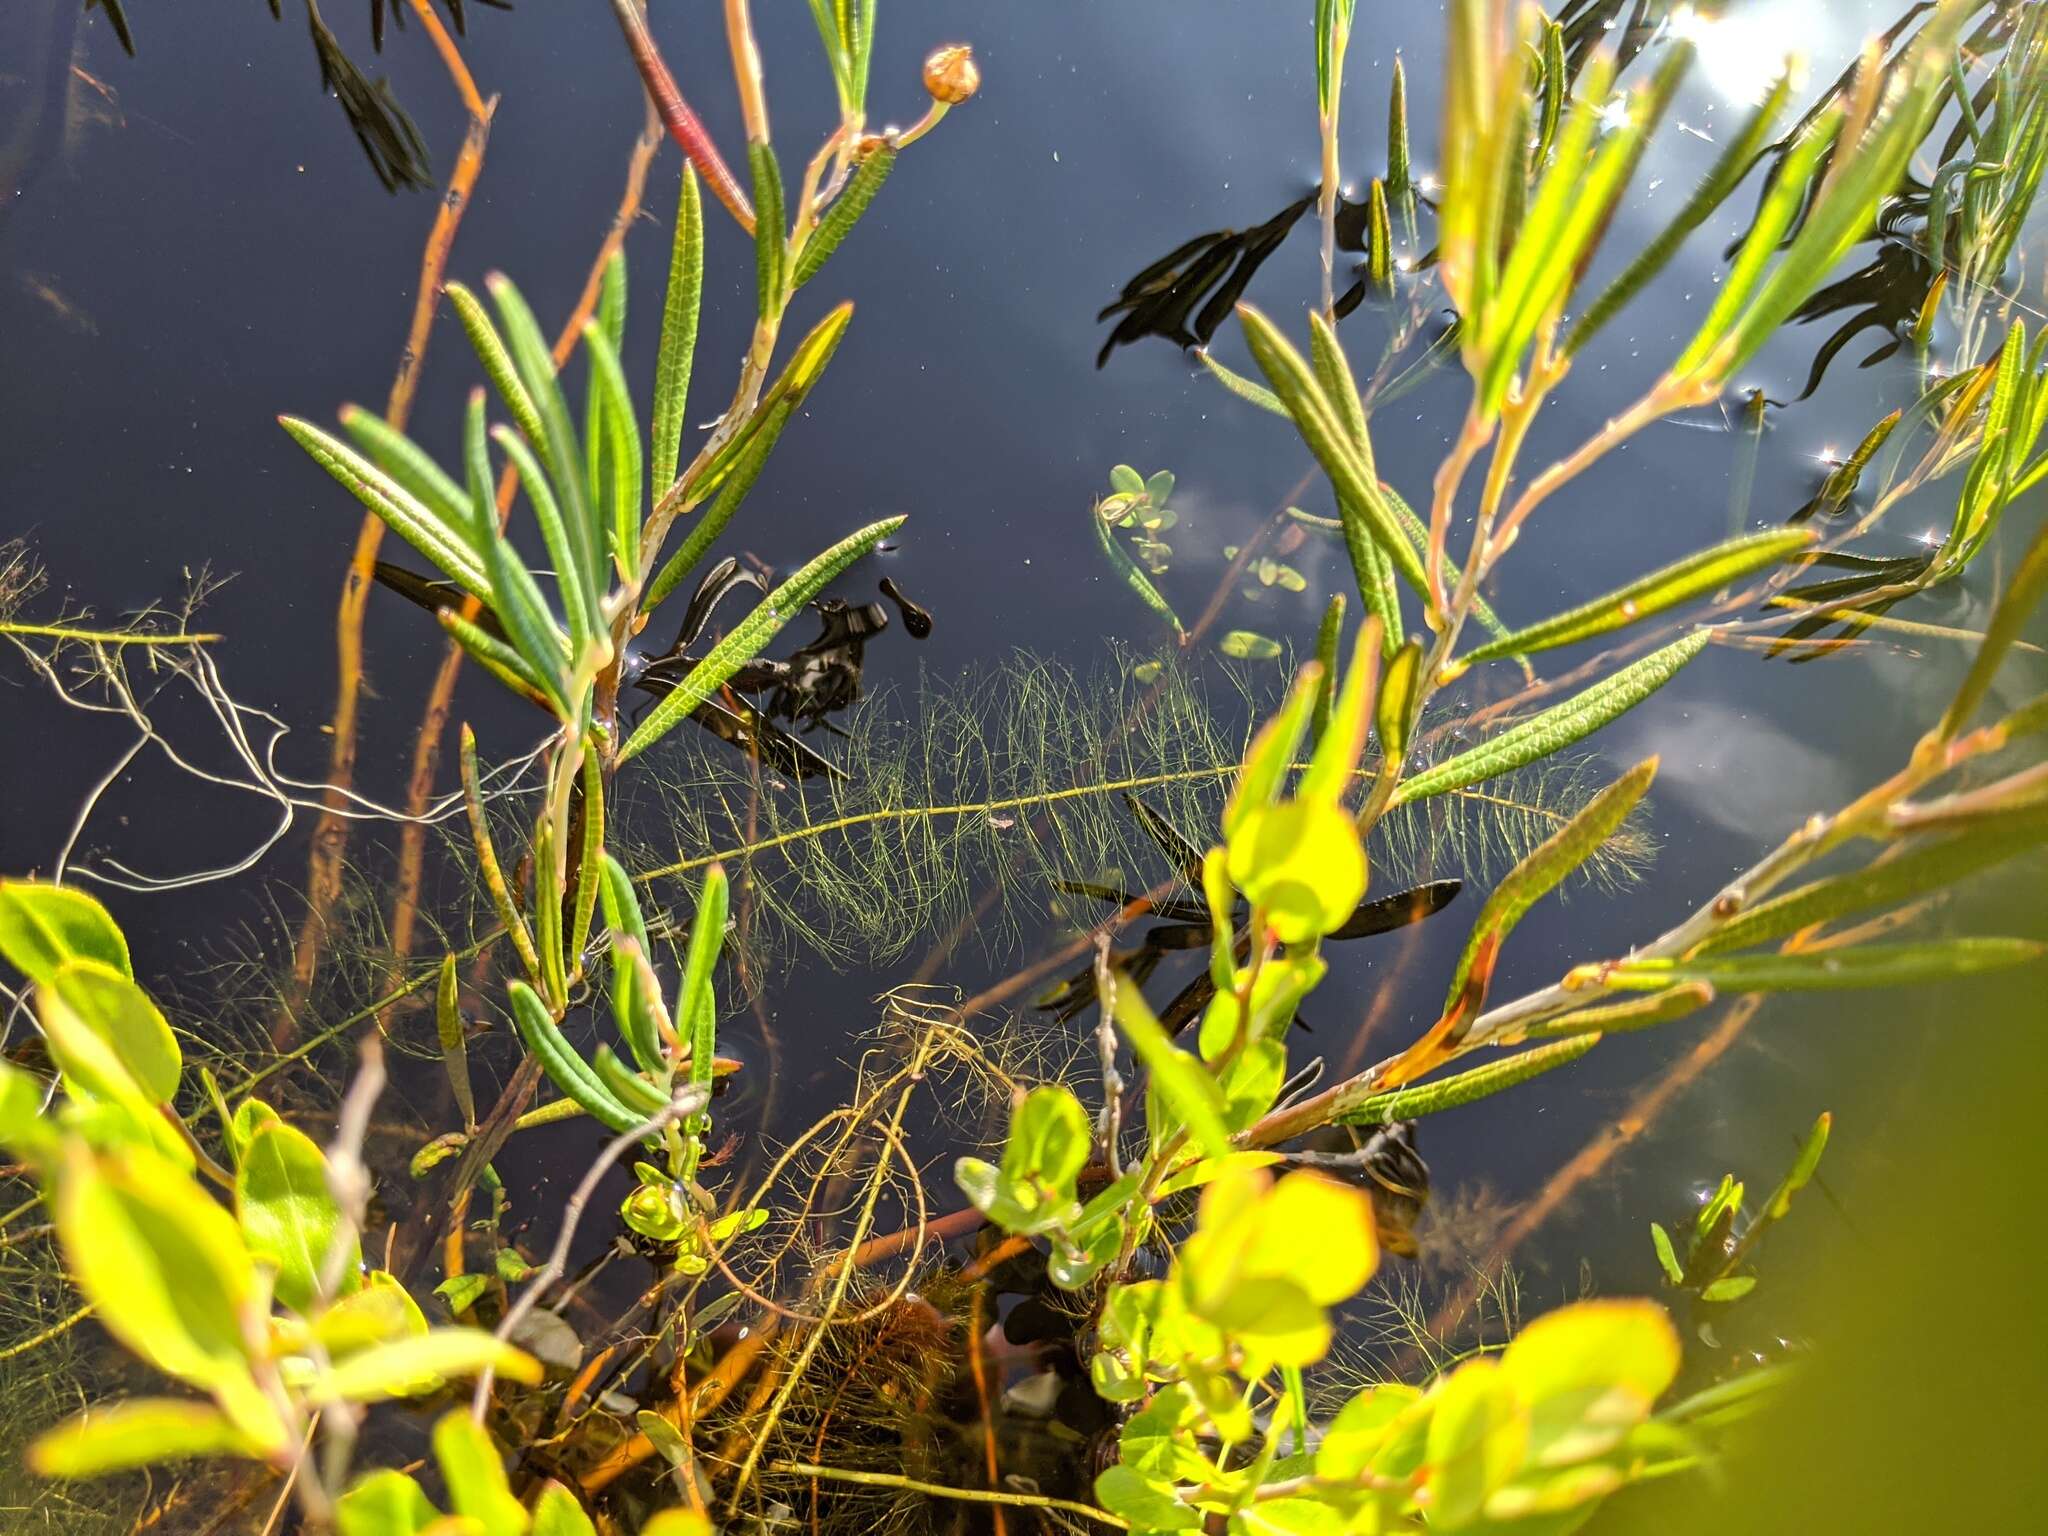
[
  {"x": 1196, "y": 1330},
  {"x": 1018, "y": 779}
]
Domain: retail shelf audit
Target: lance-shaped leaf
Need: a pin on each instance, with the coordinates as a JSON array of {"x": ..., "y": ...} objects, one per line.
[
  {"x": 634, "y": 1012},
  {"x": 558, "y": 444},
  {"x": 413, "y": 1366},
  {"x": 426, "y": 530},
  {"x": 1617, "y": 1018},
  {"x": 1557, "y": 727},
  {"x": 705, "y": 531},
  {"x": 580, "y": 617},
  {"x": 1271, "y": 754},
  {"x": 1335, "y": 761},
  {"x": 1132, "y": 576},
  {"x": 448, "y": 1028},
  {"x": 1870, "y": 965},
  {"x": 589, "y": 869},
  {"x": 1399, "y": 181},
  {"x": 1317, "y": 419},
  {"x": 619, "y": 436},
  {"x": 1400, "y": 698},
  {"x": 1707, "y": 571},
  {"x": 746, "y": 638},
  {"x": 740, "y": 459},
  {"x": 1913, "y": 872},
  {"x": 679, "y": 310},
  {"x": 495, "y": 657},
  {"x": 1464, "y": 1087},
  {"x": 1239, "y": 385},
  {"x": 1539, "y": 874},
  {"x": 770, "y": 232},
  {"x": 1527, "y": 883},
  {"x": 1179, "y": 1083},
  {"x": 1726, "y": 173},
  {"x": 1571, "y": 208},
  {"x": 845, "y": 212},
  {"x": 496, "y": 357},
  {"x": 1328, "y": 633},
  {"x": 1333, "y": 33},
  {"x": 1780, "y": 205},
  {"x": 409, "y": 464},
  {"x": 563, "y": 1064},
  {"x": 693, "y": 998},
  {"x": 2029, "y": 583},
  {"x": 137, "y": 1432}
]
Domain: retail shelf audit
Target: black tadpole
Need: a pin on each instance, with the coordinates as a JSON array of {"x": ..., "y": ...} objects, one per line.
[{"x": 915, "y": 619}]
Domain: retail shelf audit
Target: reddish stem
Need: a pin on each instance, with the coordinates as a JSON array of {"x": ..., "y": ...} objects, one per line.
[{"x": 676, "y": 116}]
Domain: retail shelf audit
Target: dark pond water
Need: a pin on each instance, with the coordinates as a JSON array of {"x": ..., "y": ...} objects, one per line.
[{"x": 192, "y": 242}]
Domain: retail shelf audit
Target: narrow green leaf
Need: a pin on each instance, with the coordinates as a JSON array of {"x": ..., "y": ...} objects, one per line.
[
  {"x": 560, "y": 450},
  {"x": 634, "y": 1015},
  {"x": 1400, "y": 698},
  {"x": 706, "y": 530},
  {"x": 1334, "y": 762},
  {"x": 1239, "y": 385},
  {"x": 1618, "y": 1018},
  {"x": 1272, "y": 752},
  {"x": 1322, "y": 429},
  {"x": 564, "y": 1066},
  {"x": 1537, "y": 875},
  {"x": 1872, "y": 965},
  {"x": 745, "y": 639},
  {"x": 1913, "y": 872},
  {"x": 770, "y": 231},
  {"x": 497, "y": 360},
  {"x": 622, "y": 450},
  {"x": 1181, "y": 1083},
  {"x": 707, "y": 939},
  {"x": 1557, "y": 727},
  {"x": 845, "y": 212},
  {"x": 516, "y": 598},
  {"x": 1398, "y": 157},
  {"x": 589, "y": 866},
  {"x": 1722, "y": 178},
  {"x": 1328, "y": 633},
  {"x": 581, "y": 619},
  {"x": 1133, "y": 576},
  {"x": 1707, "y": 571},
  {"x": 1466, "y": 1087},
  {"x": 2015, "y": 605},
  {"x": 410, "y": 465},
  {"x": 454, "y": 1041},
  {"x": 1787, "y": 194},
  {"x": 495, "y": 657},
  {"x": 680, "y": 306},
  {"x": 487, "y": 857},
  {"x": 448, "y": 547}
]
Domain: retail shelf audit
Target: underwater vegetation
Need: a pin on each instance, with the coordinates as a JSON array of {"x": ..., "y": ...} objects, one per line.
[{"x": 1072, "y": 1250}]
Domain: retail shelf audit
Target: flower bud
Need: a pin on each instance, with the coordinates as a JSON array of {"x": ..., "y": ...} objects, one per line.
[{"x": 951, "y": 75}]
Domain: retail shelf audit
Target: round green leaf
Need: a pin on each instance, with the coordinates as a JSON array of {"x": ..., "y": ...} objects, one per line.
[{"x": 1303, "y": 863}]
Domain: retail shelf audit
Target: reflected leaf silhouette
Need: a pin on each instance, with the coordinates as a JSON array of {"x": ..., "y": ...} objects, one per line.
[
  {"x": 1187, "y": 925},
  {"x": 1202, "y": 279},
  {"x": 728, "y": 717}
]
